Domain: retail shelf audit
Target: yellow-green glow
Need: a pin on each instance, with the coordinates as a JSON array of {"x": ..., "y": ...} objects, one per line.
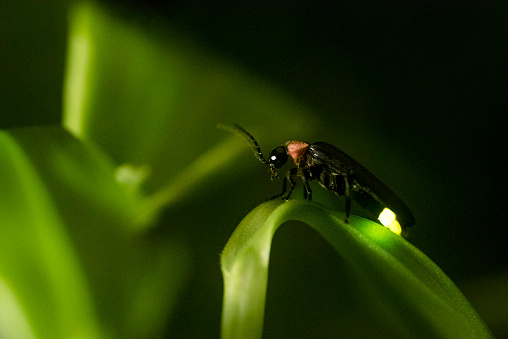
[
  {"x": 395, "y": 227},
  {"x": 386, "y": 217}
]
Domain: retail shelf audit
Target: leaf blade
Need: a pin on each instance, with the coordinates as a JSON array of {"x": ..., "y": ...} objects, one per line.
[
  {"x": 37, "y": 259},
  {"x": 423, "y": 306}
]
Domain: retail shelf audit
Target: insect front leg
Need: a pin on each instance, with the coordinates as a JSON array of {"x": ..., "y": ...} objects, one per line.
[{"x": 287, "y": 178}]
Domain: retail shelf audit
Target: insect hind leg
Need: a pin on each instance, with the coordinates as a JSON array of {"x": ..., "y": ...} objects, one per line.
[
  {"x": 340, "y": 185},
  {"x": 348, "y": 199}
]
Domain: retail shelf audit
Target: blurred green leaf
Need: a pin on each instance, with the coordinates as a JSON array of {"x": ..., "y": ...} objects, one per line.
[
  {"x": 154, "y": 98},
  {"x": 37, "y": 258},
  {"x": 415, "y": 295},
  {"x": 69, "y": 250},
  {"x": 151, "y": 105},
  {"x": 13, "y": 323}
]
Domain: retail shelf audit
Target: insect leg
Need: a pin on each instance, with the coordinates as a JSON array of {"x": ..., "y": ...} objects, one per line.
[
  {"x": 348, "y": 198},
  {"x": 307, "y": 191},
  {"x": 287, "y": 178},
  {"x": 281, "y": 193}
]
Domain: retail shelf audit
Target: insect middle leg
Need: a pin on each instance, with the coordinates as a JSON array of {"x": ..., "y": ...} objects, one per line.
[{"x": 307, "y": 191}]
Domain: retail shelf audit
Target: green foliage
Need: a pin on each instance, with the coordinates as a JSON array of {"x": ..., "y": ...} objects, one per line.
[
  {"x": 78, "y": 202},
  {"x": 68, "y": 250},
  {"x": 417, "y": 299},
  {"x": 81, "y": 251}
]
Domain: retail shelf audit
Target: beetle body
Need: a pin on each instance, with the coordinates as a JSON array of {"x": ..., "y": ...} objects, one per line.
[{"x": 336, "y": 171}]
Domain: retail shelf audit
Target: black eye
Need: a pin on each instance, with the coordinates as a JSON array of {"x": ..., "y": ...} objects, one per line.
[{"x": 278, "y": 157}]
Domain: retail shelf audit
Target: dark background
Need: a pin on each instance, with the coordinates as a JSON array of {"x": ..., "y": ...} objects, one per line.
[{"x": 427, "y": 80}]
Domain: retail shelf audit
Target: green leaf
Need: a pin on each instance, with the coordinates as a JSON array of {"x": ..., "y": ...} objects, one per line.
[
  {"x": 70, "y": 251},
  {"x": 37, "y": 259},
  {"x": 153, "y": 98},
  {"x": 417, "y": 297}
]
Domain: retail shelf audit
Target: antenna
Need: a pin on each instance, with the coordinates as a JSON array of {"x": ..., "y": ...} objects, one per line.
[{"x": 238, "y": 130}]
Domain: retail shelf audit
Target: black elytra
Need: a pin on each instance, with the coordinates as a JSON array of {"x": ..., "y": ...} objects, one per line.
[{"x": 334, "y": 170}]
